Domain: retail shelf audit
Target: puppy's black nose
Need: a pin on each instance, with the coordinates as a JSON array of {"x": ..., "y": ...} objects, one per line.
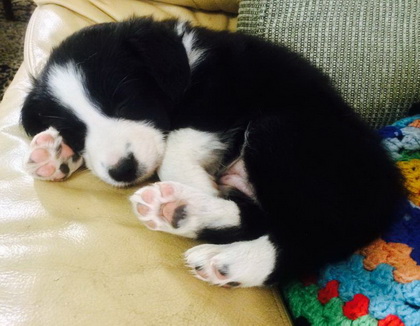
[{"x": 126, "y": 170}]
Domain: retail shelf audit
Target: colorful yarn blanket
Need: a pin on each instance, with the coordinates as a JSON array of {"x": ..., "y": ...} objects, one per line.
[{"x": 379, "y": 284}]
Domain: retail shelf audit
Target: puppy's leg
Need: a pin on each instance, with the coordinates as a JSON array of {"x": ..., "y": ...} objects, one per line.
[
  {"x": 192, "y": 157},
  {"x": 50, "y": 158},
  {"x": 183, "y": 210},
  {"x": 243, "y": 264}
]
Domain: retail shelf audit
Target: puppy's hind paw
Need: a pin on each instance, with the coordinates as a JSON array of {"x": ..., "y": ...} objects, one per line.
[
  {"x": 51, "y": 159},
  {"x": 240, "y": 264}
]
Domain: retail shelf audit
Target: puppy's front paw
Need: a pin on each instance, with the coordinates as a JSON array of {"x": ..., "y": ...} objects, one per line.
[
  {"x": 240, "y": 264},
  {"x": 159, "y": 207},
  {"x": 50, "y": 158},
  {"x": 179, "y": 209}
]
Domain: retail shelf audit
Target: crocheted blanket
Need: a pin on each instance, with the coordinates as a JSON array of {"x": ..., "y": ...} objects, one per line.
[{"x": 379, "y": 284}]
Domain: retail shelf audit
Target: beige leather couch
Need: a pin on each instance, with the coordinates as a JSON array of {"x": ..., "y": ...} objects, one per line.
[{"x": 72, "y": 253}]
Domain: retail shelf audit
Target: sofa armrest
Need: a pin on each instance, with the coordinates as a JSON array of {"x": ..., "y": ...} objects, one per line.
[{"x": 229, "y": 6}]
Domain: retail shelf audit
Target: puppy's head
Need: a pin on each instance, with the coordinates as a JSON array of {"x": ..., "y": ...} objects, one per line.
[
  {"x": 109, "y": 90},
  {"x": 124, "y": 152}
]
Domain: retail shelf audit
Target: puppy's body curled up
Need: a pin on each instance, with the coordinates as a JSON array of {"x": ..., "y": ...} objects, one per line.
[{"x": 257, "y": 154}]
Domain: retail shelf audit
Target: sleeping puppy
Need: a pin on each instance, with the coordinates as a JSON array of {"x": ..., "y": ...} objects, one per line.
[{"x": 257, "y": 154}]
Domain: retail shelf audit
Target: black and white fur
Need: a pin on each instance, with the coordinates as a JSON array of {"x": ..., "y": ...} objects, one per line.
[{"x": 257, "y": 154}]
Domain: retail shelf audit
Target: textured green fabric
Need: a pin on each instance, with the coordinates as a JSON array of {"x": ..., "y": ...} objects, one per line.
[{"x": 369, "y": 48}]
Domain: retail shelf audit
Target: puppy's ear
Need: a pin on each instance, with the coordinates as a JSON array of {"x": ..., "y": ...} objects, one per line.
[{"x": 164, "y": 56}]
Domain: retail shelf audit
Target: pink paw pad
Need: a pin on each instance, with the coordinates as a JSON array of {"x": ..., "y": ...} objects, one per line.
[
  {"x": 142, "y": 209},
  {"x": 173, "y": 211},
  {"x": 219, "y": 273},
  {"x": 46, "y": 171},
  {"x": 50, "y": 158},
  {"x": 43, "y": 139},
  {"x": 166, "y": 190},
  {"x": 39, "y": 155},
  {"x": 148, "y": 196},
  {"x": 66, "y": 152}
]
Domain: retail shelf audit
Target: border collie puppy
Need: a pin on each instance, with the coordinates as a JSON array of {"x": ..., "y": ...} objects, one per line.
[{"x": 257, "y": 154}]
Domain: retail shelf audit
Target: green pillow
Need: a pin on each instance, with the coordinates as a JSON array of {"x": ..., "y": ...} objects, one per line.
[{"x": 369, "y": 48}]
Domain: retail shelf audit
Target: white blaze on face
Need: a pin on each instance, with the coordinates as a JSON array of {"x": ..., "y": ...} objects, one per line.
[{"x": 108, "y": 140}]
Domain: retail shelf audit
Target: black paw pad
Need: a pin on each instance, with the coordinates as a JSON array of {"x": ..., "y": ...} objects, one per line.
[
  {"x": 179, "y": 214},
  {"x": 64, "y": 168}
]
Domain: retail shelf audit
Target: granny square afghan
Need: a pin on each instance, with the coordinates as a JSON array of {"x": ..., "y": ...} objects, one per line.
[{"x": 379, "y": 284}]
